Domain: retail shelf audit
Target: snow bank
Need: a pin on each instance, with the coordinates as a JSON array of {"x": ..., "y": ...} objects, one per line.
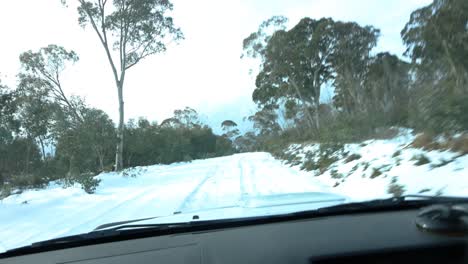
[{"x": 379, "y": 168}]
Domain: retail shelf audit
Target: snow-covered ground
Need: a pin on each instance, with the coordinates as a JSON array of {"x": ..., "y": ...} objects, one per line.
[
  {"x": 241, "y": 185},
  {"x": 235, "y": 186},
  {"x": 379, "y": 167}
]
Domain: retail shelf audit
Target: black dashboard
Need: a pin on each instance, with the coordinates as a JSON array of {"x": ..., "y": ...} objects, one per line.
[{"x": 369, "y": 237}]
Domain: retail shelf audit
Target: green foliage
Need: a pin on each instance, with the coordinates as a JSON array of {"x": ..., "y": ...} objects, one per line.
[
  {"x": 8, "y": 107},
  {"x": 40, "y": 80},
  {"x": 266, "y": 122},
  {"x": 5, "y": 191},
  {"x": 140, "y": 28},
  {"x": 180, "y": 138},
  {"x": 133, "y": 172},
  {"x": 255, "y": 44},
  {"x": 296, "y": 64},
  {"x": 86, "y": 146},
  {"x": 135, "y": 29},
  {"x": 371, "y": 93},
  {"x": 230, "y": 129},
  {"x": 308, "y": 164},
  {"x": 436, "y": 40},
  {"x": 321, "y": 161},
  {"x": 346, "y": 128},
  {"x": 87, "y": 181},
  {"x": 20, "y": 158}
]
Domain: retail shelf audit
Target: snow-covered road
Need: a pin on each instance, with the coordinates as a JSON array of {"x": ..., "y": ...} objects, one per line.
[{"x": 239, "y": 185}]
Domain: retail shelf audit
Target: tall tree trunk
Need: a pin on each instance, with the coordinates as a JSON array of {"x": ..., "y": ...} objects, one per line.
[
  {"x": 101, "y": 162},
  {"x": 100, "y": 156},
  {"x": 72, "y": 171},
  {"x": 304, "y": 104},
  {"x": 42, "y": 149},
  {"x": 28, "y": 154},
  {"x": 317, "y": 114},
  {"x": 317, "y": 87},
  {"x": 120, "y": 129}
]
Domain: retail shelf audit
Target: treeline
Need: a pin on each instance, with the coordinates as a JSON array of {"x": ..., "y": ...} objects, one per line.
[
  {"x": 46, "y": 135},
  {"x": 428, "y": 92}
]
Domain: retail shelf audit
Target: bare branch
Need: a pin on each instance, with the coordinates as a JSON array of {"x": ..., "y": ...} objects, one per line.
[{"x": 103, "y": 36}]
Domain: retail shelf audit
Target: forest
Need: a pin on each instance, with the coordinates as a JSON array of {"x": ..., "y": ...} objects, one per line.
[{"x": 424, "y": 89}]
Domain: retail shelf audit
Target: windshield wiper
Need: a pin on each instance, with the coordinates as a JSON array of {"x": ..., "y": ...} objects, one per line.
[
  {"x": 115, "y": 229},
  {"x": 123, "y": 223},
  {"x": 121, "y": 231}
]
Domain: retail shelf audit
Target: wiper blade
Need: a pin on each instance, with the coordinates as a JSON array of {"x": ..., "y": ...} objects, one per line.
[
  {"x": 435, "y": 198},
  {"x": 121, "y": 232},
  {"x": 123, "y": 222},
  {"x": 118, "y": 229}
]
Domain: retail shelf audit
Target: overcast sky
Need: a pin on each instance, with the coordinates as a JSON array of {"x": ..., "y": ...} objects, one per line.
[{"x": 204, "y": 71}]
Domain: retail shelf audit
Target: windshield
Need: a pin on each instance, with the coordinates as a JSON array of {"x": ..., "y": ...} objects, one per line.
[{"x": 203, "y": 110}]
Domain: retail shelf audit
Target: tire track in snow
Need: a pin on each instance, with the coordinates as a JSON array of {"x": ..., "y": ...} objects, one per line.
[
  {"x": 188, "y": 200},
  {"x": 217, "y": 190},
  {"x": 243, "y": 181}
]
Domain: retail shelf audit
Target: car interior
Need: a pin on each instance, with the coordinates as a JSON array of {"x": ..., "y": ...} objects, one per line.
[{"x": 413, "y": 234}]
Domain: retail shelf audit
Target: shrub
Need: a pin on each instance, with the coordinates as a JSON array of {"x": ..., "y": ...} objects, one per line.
[
  {"x": 442, "y": 163},
  {"x": 308, "y": 165},
  {"x": 375, "y": 173},
  {"x": 5, "y": 191},
  {"x": 353, "y": 169},
  {"x": 25, "y": 181},
  {"x": 423, "y": 140},
  {"x": 133, "y": 172},
  {"x": 352, "y": 157},
  {"x": 88, "y": 182},
  {"x": 396, "y": 189},
  {"x": 324, "y": 163},
  {"x": 327, "y": 155},
  {"x": 460, "y": 144},
  {"x": 421, "y": 160},
  {"x": 396, "y": 154},
  {"x": 335, "y": 175},
  {"x": 366, "y": 165}
]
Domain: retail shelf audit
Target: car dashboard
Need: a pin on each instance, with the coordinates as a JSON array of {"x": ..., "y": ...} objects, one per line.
[{"x": 367, "y": 237}]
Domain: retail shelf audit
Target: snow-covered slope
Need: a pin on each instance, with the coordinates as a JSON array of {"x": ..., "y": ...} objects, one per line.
[
  {"x": 382, "y": 168},
  {"x": 234, "y": 186}
]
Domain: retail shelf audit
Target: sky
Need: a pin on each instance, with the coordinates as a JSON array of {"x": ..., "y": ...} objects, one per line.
[{"x": 204, "y": 71}]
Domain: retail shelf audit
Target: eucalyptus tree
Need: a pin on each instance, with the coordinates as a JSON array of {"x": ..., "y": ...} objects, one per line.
[{"x": 128, "y": 31}]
